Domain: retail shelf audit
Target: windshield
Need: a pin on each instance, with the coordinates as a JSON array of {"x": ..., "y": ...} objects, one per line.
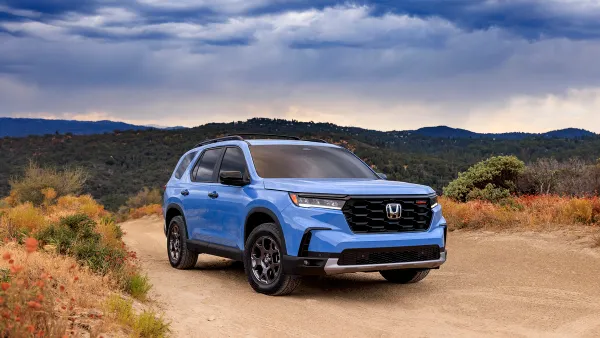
[{"x": 300, "y": 161}]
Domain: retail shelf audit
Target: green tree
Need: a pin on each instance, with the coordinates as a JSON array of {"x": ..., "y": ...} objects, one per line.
[{"x": 493, "y": 179}]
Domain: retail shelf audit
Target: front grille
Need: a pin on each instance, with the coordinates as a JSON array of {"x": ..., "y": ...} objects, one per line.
[
  {"x": 366, "y": 215},
  {"x": 389, "y": 255}
]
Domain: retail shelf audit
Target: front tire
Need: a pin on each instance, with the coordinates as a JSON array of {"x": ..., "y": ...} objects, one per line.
[
  {"x": 263, "y": 262},
  {"x": 406, "y": 276},
  {"x": 180, "y": 256}
]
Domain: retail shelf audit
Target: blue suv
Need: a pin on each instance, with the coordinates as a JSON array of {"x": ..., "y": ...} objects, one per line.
[{"x": 289, "y": 207}]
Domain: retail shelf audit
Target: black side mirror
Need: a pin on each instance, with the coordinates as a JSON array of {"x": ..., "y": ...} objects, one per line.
[
  {"x": 382, "y": 176},
  {"x": 233, "y": 178}
]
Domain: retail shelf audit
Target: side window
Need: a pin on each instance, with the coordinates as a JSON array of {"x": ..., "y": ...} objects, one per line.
[
  {"x": 233, "y": 160},
  {"x": 185, "y": 163},
  {"x": 203, "y": 172}
]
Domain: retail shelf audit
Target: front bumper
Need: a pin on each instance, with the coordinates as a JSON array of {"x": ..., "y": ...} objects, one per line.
[
  {"x": 320, "y": 266},
  {"x": 332, "y": 267}
]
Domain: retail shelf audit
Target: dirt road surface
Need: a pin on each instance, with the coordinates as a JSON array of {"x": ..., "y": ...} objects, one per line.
[{"x": 515, "y": 285}]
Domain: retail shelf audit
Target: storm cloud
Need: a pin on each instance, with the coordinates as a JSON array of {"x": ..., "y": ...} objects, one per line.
[{"x": 484, "y": 65}]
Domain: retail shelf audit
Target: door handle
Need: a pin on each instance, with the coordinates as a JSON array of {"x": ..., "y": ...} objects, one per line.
[
  {"x": 185, "y": 192},
  {"x": 213, "y": 194}
]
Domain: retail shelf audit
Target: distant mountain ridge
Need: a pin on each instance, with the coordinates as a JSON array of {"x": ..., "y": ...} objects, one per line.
[
  {"x": 21, "y": 127},
  {"x": 448, "y": 132}
]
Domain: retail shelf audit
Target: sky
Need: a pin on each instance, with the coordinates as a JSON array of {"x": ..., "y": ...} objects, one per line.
[{"x": 483, "y": 65}]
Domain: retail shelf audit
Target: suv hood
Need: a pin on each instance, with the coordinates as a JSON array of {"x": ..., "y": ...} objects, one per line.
[{"x": 346, "y": 186}]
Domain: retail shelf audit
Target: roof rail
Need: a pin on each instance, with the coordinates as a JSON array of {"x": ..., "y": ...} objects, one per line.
[
  {"x": 220, "y": 139},
  {"x": 270, "y": 135},
  {"x": 238, "y": 137}
]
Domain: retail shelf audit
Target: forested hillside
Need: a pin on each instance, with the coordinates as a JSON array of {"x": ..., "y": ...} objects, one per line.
[{"x": 121, "y": 163}]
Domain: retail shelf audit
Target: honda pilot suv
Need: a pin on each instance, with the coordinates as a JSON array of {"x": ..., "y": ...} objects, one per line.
[{"x": 289, "y": 208}]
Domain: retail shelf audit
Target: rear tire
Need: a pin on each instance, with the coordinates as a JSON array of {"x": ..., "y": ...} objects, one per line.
[
  {"x": 180, "y": 256},
  {"x": 405, "y": 276},
  {"x": 263, "y": 262}
]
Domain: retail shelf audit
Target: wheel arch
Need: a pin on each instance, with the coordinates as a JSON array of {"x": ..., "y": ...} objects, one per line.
[
  {"x": 258, "y": 216},
  {"x": 172, "y": 211}
]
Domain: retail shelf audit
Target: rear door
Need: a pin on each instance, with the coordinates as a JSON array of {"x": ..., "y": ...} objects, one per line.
[{"x": 197, "y": 205}]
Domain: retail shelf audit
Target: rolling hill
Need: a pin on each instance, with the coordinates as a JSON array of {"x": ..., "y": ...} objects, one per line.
[{"x": 122, "y": 162}]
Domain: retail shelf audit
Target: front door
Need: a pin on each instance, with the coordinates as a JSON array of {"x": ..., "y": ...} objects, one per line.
[
  {"x": 232, "y": 201},
  {"x": 198, "y": 206}
]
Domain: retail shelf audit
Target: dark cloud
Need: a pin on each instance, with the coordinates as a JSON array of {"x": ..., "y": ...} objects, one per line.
[
  {"x": 228, "y": 58},
  {"x": 57, "y": 7},
  {"x": 533, "y": 19}
]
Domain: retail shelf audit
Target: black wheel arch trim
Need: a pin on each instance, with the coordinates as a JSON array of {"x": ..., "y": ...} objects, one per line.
[
  {"x": 176, "y": 206},
  {"x": 273, "y": 216}
]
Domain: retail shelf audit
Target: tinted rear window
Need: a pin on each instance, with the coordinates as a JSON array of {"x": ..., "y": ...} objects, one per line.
[
  {"x": 185, "y": 163},
  {"x": 297, "y": 161}
]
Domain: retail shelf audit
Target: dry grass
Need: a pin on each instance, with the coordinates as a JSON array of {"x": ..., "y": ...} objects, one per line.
[
  {"x": 25, "y": 217},
  {"x": 146, "y": 324},
  {"x": 50, "y": 295},
  {"x": 526, "y": 212},
  {"x": 36, "y": 180},
  {"x": 73, "y": 205},
  {"x": 147, "y": 210},
  {"x": 28, "y": 219}
]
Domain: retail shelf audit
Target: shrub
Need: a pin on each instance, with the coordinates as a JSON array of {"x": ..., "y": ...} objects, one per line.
[
  {"x": 490, "y": 178},
  {"x": 570, "y": 178},
  {"x": 71, "y": 205},
  {"x": 76, "y": 236},
  {"x": 22, "y": 219},
  {"x": 490, "y": 193},
  {"x": 148, "y": 210},
  {"x": 138, "y": 285},
  {"x": 523, "y": 212},
  {"x": 110, "y": 231},
  {"x": 144, "y": 197},
  {"x": 578, "y": 210},
  {"x": 37, "y": 181},
  {"x": 146, "y": 202},
  {"x": 147, "y": 324},
  {"x": 27, "y": 303},
  {"x": 99, "y": 257}
]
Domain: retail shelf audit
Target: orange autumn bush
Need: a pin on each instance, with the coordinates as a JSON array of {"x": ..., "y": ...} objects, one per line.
[
  {"x": 72, "y": 205},
  {"x": 526, "y": 212},
  {"x": 24, "y": 217},
  {"x": 144, "y": 203},
  {"x": 148, "y": 210}
]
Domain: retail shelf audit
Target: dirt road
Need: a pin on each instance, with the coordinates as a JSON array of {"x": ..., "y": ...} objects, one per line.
[{"x": 516, "y": 285}]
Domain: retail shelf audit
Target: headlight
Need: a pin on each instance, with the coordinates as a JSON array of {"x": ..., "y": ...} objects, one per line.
[
  {"x": 315, "y": 202},
  {"x": 434, "y": 202}
]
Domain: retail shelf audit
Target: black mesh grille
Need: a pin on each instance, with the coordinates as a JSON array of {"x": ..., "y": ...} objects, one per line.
[
  {"x": 389, "y": 255},
  {"x": 369, "y": 215}
]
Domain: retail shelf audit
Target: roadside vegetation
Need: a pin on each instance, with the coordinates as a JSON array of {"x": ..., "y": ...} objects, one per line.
[
  {"x": 146, "y": 202},
  {"x": 63, "y": 258},
  {"x": 503, "y": 193}
]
